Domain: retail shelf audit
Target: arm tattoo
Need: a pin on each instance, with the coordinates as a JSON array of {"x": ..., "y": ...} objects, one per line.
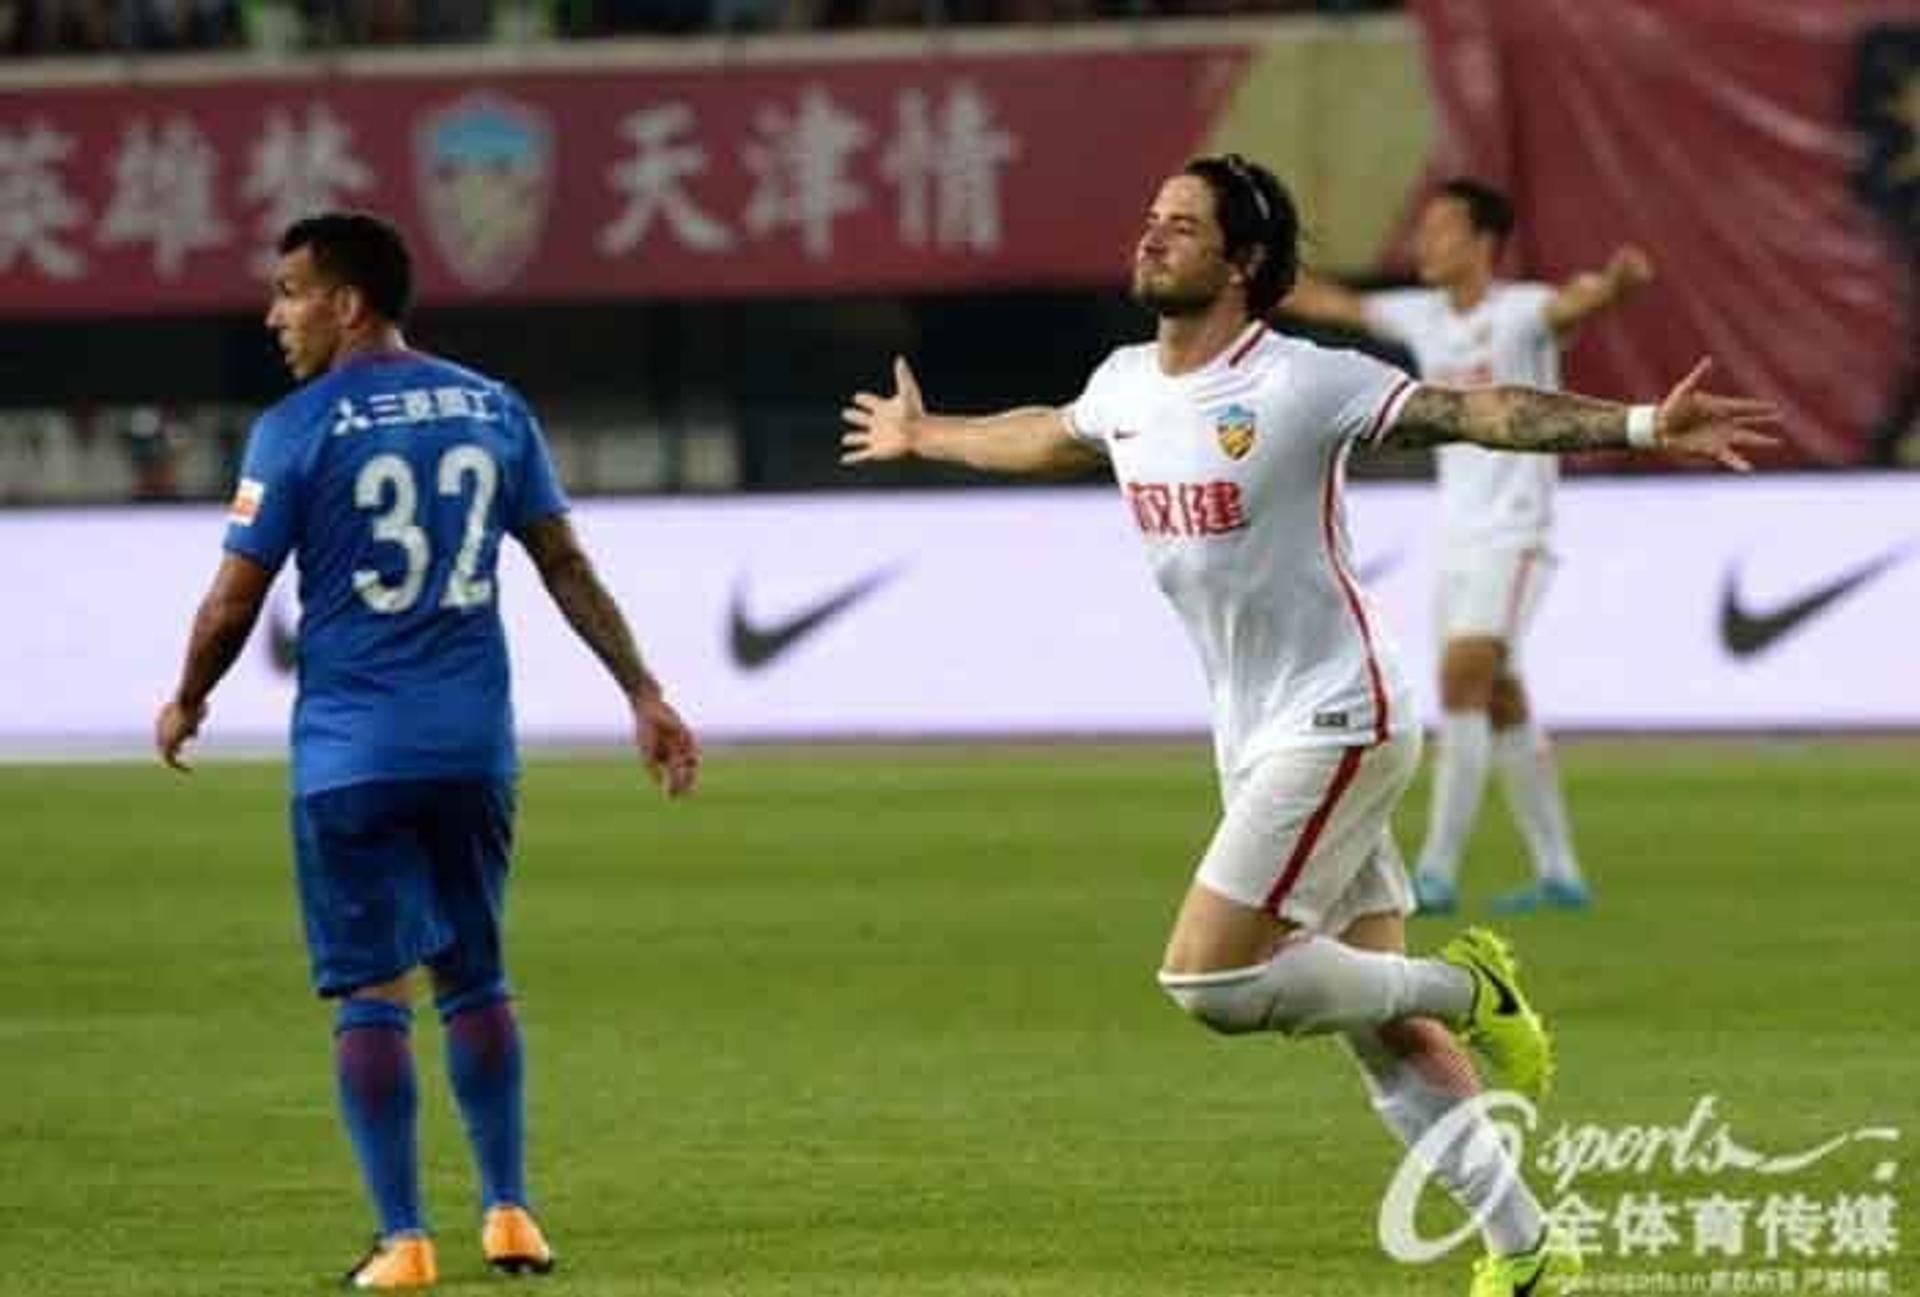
[
  {"x": 597, "y": 619},
  {"x": 1509, "y": 418}
]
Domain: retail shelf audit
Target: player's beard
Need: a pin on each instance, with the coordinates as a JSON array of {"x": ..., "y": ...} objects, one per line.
[
  {"x": 309, "y": 355},
  {"x": 302, "y": 363},
  {"x": 1170, "y": 298}
]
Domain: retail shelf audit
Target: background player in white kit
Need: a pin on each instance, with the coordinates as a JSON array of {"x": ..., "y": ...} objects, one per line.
[
  {"x": 1228, "y": 442},
  {"x": 1468, "y": 328}
]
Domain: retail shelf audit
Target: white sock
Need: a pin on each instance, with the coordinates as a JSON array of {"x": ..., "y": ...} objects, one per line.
[
  {"x": 1474, "y": 1168},
  {"x": 1459, "y": 781},
  {"x": 1316, "y": 984},
  {"x": 1532, "y": 785}
]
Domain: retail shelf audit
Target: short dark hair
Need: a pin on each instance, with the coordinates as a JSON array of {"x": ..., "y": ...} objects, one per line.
[
  {"x": 1488, "y": 210},
  {"x": 360, "y": 250},
  {"x": 1256, "y": 212}
]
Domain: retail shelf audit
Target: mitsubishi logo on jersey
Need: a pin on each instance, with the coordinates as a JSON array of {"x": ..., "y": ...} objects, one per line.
[
  {"x": 348, "y": 419},
  {"x": 1187, "y": 508}
]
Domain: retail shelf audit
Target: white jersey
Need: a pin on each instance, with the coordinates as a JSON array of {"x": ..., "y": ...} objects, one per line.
[
  {"x": 1233, "y": 474},
  {"x": 1487, "y": 497}
]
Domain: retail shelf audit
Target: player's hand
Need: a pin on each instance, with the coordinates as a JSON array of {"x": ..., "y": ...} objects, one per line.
[
  {"x": 173, "y": 727},
  {"x": 1702, "y": 425},
  {"x": 667, "y": 745},
  {"x": 882, "y": 427},
  {"x": 1630, "y": 267}
]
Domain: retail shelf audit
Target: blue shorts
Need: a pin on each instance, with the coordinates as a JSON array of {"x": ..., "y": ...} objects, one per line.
[{"x": 398, "y": 873}]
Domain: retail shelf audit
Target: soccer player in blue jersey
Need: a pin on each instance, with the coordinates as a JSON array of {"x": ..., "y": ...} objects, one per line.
[{"x": 391, "y": 476}]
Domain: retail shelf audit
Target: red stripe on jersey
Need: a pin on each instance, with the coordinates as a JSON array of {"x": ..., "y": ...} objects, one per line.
[
  {"x": 1515, "y": 595},
  {"x": 1352, "y": 591},
  {"x": 1315, "y": 826},
  {"x": 1253, "y": 340},
  {"x": 1378, "y": 425}
]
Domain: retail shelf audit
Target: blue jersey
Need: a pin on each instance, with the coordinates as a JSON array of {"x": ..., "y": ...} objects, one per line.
[{"x": 392, "y": 479}]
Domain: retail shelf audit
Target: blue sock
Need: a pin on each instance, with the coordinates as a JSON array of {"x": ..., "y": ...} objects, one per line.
[
  {"x": 379, "y": 1100},
  {"x": 485, "y": 1063}
]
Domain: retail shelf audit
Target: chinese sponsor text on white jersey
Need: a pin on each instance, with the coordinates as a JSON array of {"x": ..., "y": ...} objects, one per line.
[
  {"x": 1233, "y": 475},
  {"x": 1487, "y": 497}
]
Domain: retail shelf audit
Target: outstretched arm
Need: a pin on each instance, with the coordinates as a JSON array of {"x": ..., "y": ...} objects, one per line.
[
  {"x": 667, "y": 745},
  {"x": 1687, "y": 423},
  {"x": 1314, "y": 298},
  {"x": 220, "y": 629},
  {"x": 1586, "y": 295},
  {"x": 1032, "y": 440}
]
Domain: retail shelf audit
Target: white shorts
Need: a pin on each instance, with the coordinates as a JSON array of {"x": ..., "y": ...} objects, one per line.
[
  {"x": 1493, "y": 593},
  {"x": 1308, "y": 834}
]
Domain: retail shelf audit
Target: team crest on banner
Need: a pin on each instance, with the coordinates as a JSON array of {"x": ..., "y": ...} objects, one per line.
[
  {"x": 484, "y": 170},
  {"x": 1234, "y": 427}
]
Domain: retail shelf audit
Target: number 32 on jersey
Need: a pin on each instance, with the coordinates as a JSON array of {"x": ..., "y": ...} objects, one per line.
[{"x": 386, "y": 488}]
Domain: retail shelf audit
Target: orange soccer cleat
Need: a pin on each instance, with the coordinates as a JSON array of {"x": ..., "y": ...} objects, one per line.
[
  {"x": 513, "y": 1243},
  {"x": 405, "y": 1261}
]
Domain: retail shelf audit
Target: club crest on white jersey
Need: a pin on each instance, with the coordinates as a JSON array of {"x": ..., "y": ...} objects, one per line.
[{"x": 1236, "y": 427}]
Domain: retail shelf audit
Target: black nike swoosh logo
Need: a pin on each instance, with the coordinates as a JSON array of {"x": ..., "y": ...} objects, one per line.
[
  {"x": 1745, "y": 633},
  {"x": 1508, "y": 1004},
  {"x": 754, "y": 646}
]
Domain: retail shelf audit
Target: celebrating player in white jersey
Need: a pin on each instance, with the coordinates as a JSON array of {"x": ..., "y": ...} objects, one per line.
[
  {"x": 1469, "y": 329},
  {"x": 1228, "y": 442}
]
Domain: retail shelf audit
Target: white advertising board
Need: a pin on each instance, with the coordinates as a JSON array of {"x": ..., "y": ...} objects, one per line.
[{"x": 1695, "y": 603}]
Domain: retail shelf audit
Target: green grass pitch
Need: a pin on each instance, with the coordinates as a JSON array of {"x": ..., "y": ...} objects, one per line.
[{"x": 861, "y": 1021}]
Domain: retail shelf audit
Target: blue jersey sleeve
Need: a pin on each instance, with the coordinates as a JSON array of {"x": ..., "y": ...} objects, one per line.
[
  {"x": 262, "y": 520},
  {"x": 538, "y": 494}
]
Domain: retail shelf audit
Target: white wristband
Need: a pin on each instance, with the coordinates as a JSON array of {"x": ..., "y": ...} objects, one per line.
[{"x": 1643, "y": 426}]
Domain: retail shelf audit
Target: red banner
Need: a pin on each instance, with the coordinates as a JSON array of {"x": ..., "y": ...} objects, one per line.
[
  {"x": 878, "y": 174},
  {"x": 1725, "y": 136}
]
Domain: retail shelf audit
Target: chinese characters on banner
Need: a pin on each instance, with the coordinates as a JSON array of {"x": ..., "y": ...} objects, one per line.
[
  {"x": 165, "y": 194},
  {"x": 876, "y": 175},
  {"x": 1772, "y": 1227},
  {"x": 35, "y": 238}
]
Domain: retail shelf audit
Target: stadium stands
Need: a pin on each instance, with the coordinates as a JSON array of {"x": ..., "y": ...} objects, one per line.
[{"x": 35, "y": 28}]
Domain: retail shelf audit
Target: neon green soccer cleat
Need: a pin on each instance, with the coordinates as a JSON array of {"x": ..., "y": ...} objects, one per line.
[
  {"x": 1544, "y": 1272},
  {"x": 1501, "y": 1027}
]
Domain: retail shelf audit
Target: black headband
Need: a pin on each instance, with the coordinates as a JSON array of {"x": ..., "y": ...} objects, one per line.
[{"x": 1237, "y": 167}]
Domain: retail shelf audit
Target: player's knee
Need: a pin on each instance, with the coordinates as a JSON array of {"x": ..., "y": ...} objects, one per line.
[
  {"x": 1469, "y": 671},
  {"x": 358, "y": 1013},
  {"x": 1242, "y": 1000},
  {"x": 1224, "y": 1002},
  {"x": 453, "y": 997}
]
